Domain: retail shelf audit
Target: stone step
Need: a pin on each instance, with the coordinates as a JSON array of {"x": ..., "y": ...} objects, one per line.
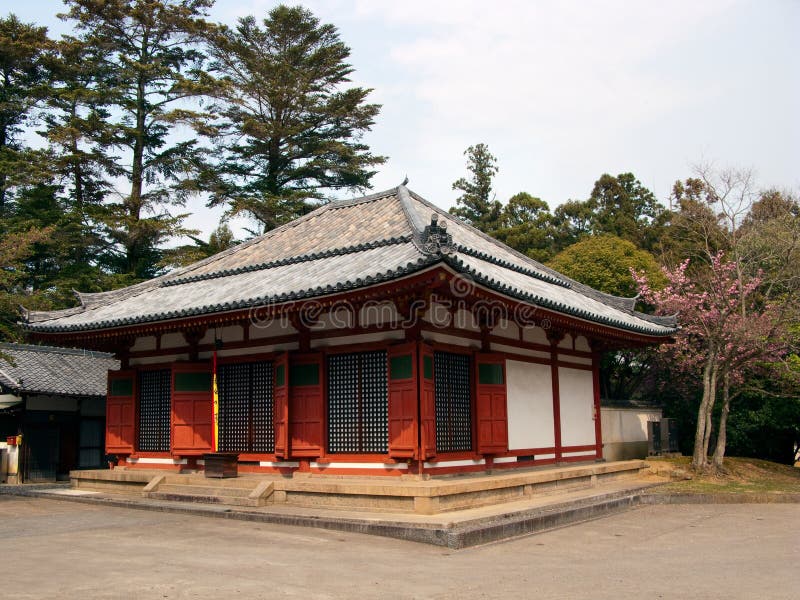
[
  {"x": 205, "y": 490},
  {"x": 259, "y": 493},
  {"x": 222, "y": 482},
  {"x": 207, "y": 499}
]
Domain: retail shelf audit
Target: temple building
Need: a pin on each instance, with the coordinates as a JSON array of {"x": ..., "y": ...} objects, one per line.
[{"x": 378, "y": 335}]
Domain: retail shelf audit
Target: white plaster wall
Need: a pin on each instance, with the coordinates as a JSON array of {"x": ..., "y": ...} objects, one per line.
[
  {"x": 529, "y": 392},
  {"x": 269, "y": 327},
  {"x": 438, "y": 314},
  {"x": 517, "y": 350},
  {"x": 506, "y": 328},
  {"x": 627, "y": 424},
  {"x": 147, "y": 342},
  {"x": 248, "y": 351},
  {"x": 173, "y": 340},
  {"x": 378, "y": 313},
  {"x": 155, "y": 360},
  {"x": 364, "y": 338},
  {"x": 576, "y": 394},
  {"x": 443, "y": 338},
  {"x": 566, "y": 342},
  {"x": 464, "y": 319},
  {"x": 229, "y": 333},
  {"x": 536, "y": 335},
  {"x": 582, "y": 344},
  {"x": 340, "y": 317},
  {"x": 579, "y": 360}
]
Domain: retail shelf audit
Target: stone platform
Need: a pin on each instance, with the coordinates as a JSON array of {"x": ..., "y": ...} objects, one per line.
[{"x": 399, "y": 495}]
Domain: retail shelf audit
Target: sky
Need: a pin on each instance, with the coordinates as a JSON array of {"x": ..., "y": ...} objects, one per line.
[{"x": 561, "y": 92}]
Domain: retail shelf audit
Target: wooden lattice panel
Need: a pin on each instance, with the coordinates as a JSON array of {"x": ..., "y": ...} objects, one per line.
[
  {"x": 358, "y": 403},
  {"x": 154, "y": 410},
  {"x": 453, "y": 392},
  {"x": 246, "y": 397}
]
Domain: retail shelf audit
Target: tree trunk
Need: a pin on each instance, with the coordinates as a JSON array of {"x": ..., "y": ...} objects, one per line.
[
  {"x": 719, "y": 451},
  {"x": 699, "y": 457},
  {"x": 133, "y": 243},
  {"x": 709, "y": 412}
]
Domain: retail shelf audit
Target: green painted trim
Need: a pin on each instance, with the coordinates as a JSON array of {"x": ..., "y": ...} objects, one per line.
[
  {"x": 193, "y": 382},
  {"x": 490, "y": 374},
  {"x": 280, "y": 375},
  {"x": 427, "y": 367},
  {"x": 401, "y": 367},
  {"x": 121, "y": 387},
  {"x": 304, "y": 374}
]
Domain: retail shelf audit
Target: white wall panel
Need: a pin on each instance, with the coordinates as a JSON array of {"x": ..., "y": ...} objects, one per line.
[
  {"x": 576, "y": 392},
  {"x": 530, "y": 405}
]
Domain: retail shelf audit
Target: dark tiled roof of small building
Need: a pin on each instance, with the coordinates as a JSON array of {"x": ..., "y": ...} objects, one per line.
[
  {"x": 342, "y": 246},
  {"x": 50, "y": 370}
]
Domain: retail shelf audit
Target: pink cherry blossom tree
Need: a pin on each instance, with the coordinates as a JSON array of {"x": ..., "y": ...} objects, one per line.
[{"x": 727, "y": 329}]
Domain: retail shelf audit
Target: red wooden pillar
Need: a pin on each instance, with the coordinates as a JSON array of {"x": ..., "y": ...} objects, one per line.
[
  {"x": 554, "y": 339},
  {"x": 121, "y": 412},
  {"x": 427, "y": 403},
  {"x": 281, "y": 405},
  {"x": 598, "y": 424}
]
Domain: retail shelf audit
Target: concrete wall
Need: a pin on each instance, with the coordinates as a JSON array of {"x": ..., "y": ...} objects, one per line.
[
  {"x": 530, "y": 405},
  {"x": 625, "y": 431}
]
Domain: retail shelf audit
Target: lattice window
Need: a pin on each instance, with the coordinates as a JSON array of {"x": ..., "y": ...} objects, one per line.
[
  {"x": 155, "y": 401},
  {"x": 358, "y": 403},
  {"x": 246, "y": 400},
  {"x": 453, "y": 392}
]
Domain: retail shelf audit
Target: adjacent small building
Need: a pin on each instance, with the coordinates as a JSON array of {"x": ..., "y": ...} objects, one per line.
[
  {"x": 379, "y": 336},
  {"x": 52, "y": 411}
]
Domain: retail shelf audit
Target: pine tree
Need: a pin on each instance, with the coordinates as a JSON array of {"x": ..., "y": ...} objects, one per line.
[
  {"x": 289, "y": 128},
  {"x": 21, "y": 73},
  {"x": 148, "y": 50},
  {"x": 474, "y": 204}
]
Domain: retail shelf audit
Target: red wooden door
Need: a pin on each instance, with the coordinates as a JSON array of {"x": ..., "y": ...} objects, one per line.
[
  {"x": 281, "y": 410},
  {"x": 491, "y": 409},
  {"x": 427, "y": 403},
  {"x": 192, "y": 409},
  {"x": 403, "y": 386},
  {"x": 121, "y": 412},
  {"x": 306, "y": 405}
]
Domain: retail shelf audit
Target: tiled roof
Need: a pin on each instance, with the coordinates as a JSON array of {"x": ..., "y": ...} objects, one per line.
[
  {"x": 50, "y": 370},
  {"x": 342, "y": 246}
]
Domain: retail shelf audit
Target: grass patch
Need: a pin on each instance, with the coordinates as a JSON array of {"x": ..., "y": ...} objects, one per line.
[{"x": 740, "y": 476}]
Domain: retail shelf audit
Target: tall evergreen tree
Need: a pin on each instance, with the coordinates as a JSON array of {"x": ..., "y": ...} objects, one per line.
[
  {"x": 625, "y": 208},
  {"x": 21, "y": 73},
  {"x": 149, "y": 51},
  {"x": 289, "y": 127},
  {"x": 526, "y": 224},
  {"x": 474, "y": 204}
]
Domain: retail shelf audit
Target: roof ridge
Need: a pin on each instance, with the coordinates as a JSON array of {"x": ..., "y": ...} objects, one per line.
[
  {"x": 55, "y": 350},
  {"x": 305, "y": 257},
  {"x": 535, "y": 263},
  {"x": 378, "y": 277},
  {"x": 459, "y": 265}
]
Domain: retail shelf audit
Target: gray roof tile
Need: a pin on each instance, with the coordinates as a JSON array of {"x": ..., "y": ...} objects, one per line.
[
  {"x": 50, "y": 370},
  {"x": 340, "y": 246}
]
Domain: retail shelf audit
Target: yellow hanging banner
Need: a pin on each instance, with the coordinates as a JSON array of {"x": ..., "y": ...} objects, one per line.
[{"x": 215, "y": 403}]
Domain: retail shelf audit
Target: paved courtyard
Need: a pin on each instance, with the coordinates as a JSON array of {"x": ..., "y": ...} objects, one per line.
[{"x": 57, "y": 549}]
